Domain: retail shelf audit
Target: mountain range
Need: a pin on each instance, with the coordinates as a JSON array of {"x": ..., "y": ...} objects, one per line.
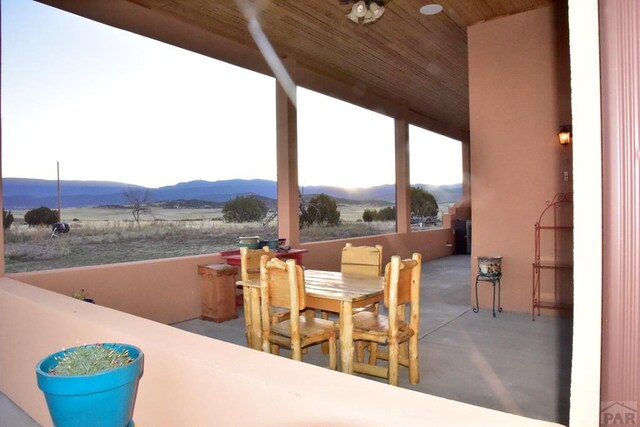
[{"x": 27, "y": 193}]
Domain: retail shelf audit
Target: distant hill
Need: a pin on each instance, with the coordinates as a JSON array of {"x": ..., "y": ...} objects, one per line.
[
  {"x": 387, "y": 193},
  {"x": 449, "y": 193},
  {"x": 25, "y": 193},
  {"x": 216, "y": 191}
]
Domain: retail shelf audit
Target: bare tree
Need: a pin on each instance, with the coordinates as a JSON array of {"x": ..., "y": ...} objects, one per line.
[
  {"x": 302, "y": 209},
  {"x": 272, "y": 214},
  {"x": 137, "y": 201},
  {"x": 302, "y": 203}
]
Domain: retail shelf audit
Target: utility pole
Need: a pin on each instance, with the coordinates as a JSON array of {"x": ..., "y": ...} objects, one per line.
[{"x": 59, "y": 213}]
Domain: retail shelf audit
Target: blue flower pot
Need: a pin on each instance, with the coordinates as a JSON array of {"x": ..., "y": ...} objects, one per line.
[{"x": 105, "y": 399}]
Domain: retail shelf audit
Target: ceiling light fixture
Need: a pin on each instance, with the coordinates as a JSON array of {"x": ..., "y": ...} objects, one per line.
[
  {"x": 366, "y": 11},
  {"x": 431, "y": 9}
]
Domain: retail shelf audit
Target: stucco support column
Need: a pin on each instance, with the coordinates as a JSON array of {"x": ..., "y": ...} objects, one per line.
[
  {"x": 287, "y": 152},
  {"x": 2, "y": 271},
  {"x": 403, "y": 183},
  {"x": 620, "y": 43},
  {"x": 466, "y": 173},
  {"x": 2, "y": 265}
]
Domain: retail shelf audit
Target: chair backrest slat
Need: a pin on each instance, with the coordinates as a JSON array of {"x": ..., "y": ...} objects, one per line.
[
  {"x": 280, "y": 289},
  {"x": 405, "y": 282},
  {"x": 366, "y": 260},
  {"x": 250, "y": 262},
  {"x": 408, "y": 284}
]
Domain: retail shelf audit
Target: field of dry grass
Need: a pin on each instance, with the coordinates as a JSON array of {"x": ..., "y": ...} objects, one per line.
[{"x": 106, "y": 236}]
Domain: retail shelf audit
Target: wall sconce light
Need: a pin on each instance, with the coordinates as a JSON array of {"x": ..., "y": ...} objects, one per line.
[{"x": 565, "y": 136}]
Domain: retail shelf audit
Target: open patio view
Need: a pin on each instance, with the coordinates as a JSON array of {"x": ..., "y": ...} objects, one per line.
[
  {"x": 507, "y": 363},
  {"x": 534, "y": 214}
]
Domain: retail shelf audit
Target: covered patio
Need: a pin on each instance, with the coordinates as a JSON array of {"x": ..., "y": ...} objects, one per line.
[
  {"x": 508, "y": 363},
  {"x": 505, "y": 70}
]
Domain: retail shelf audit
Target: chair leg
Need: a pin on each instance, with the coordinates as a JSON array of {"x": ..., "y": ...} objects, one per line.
[
  {"x": 325, "y": 349},
  {"x": 296, "y": 352},
  {"x": 275, "y": 349},
  {"x": 256, "y": 321},
  {"x": 246, "y": 305},
  {"x": 359, "y": 351},
  {"x": 361, "y": 346},
  {"x": 373, "y": 353},
  {"x": 414, "y": 367},
  {"x": 404, "y": 350},
  {"x": 333, "y": 353},
  {"x": 499, "y": 305},
  {"x": 393, "y": 362}
]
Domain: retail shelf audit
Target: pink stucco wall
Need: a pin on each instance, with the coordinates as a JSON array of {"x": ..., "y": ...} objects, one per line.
[
  {"x": 198, "y": 381},
  {"x": 519, "y": 91},
  {"x": 169, "y": 290},
  {"x": 430, "y": 244},
  {"x": 165, "y": 290}
]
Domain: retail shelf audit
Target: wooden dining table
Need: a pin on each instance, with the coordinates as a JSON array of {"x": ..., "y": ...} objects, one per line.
[{"x": 329, "y": 291}]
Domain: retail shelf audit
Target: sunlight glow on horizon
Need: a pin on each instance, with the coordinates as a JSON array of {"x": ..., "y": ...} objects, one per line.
[
  {"x": 343, "y": 145},
  {"x": 110, "y": 105}
]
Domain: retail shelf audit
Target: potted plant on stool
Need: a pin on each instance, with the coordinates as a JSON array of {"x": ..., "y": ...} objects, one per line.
[{"x": 91, "y": 385}]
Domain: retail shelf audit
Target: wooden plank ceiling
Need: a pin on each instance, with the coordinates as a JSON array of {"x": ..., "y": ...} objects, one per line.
[{"x": 411, "y": 59}]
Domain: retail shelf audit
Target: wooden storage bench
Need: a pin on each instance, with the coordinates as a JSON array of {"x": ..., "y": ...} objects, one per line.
[{"x": 218, "y": 283}]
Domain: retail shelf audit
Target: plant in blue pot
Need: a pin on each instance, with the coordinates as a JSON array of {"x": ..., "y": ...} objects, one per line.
[{"x": 91, "y": 385}]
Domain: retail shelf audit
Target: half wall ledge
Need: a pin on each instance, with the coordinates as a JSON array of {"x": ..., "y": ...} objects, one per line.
[{"x": 195, "y": 380}]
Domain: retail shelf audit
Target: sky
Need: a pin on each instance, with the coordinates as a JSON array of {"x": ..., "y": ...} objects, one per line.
[{"x": 109, "y": 105}]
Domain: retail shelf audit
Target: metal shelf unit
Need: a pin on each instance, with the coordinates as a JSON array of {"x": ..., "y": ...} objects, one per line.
[{"x": 554, "y": 252}]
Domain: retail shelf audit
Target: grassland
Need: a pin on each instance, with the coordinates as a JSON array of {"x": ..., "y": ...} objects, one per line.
[{"x": 109, "y": 235}]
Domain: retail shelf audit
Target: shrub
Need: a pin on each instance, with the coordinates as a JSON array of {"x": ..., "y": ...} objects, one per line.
[
  {"x": 387, "y": 214},
  {"x": 321, "y": 210},
  {"x": 423, "y": 204},
  {"x": 41, "y": 216},
  {"x": 244, "y": 209},
  {"x": 384, "y": 214},
  {"x": 7, "y": 219}
]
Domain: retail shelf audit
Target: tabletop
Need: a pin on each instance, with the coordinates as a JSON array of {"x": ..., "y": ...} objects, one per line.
[
  {"x": 338, "y": 286},
  {"x": 335, "y": 285}
]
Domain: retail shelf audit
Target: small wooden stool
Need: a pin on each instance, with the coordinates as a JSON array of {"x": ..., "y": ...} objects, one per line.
[{"x": 218, "y": 283}]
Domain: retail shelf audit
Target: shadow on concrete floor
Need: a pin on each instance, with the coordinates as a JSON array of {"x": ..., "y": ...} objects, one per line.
[{"x": 507, "y": 363}]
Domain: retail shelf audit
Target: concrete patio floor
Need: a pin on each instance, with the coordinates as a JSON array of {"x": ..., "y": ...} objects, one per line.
[{"x": 507, "y": 363}]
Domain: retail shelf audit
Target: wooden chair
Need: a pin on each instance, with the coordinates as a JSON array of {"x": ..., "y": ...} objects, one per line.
[
  {"x": 282, "y": 285},
  {"x": 365, "y": 260},
  {"x": 250, "y": 271},
  {"x": 402, "y": 286}
]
